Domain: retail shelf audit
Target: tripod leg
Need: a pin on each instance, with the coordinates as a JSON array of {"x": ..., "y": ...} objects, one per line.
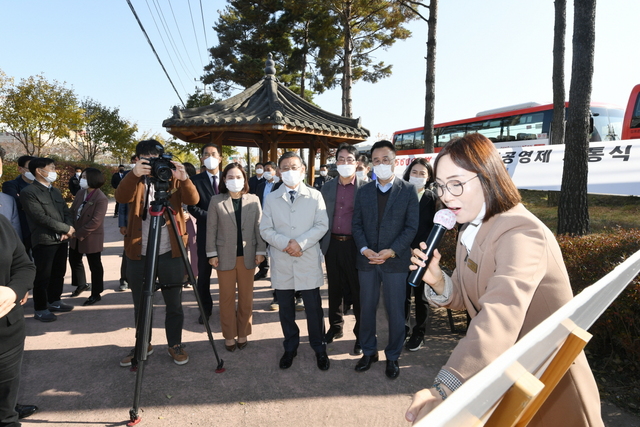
[
  {"x": 143, "y": 323},
  {"x": 192, "y": 280}
]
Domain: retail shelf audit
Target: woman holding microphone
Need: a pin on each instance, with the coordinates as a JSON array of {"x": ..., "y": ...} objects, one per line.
[{"x": 235, "y": 249}]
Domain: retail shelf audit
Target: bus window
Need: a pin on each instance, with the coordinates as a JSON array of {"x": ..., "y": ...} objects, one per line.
[
  {"x": 407, "y": 141},
  {"x": 607, "y": 124},
  {"x": 523, "y": 127},
  {"x": 397, "y": 141},
  {"x": 418, "y": 142}
]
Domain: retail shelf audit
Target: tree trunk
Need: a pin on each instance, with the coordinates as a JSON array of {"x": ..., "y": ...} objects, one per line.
[
  {"x": 430, "y": 81},
  {"x": 347, "y": 77},
  {"x": 557, "y": 126},
  {"x": 573, "y": 209},
  {"x": 304, "y": 60}
]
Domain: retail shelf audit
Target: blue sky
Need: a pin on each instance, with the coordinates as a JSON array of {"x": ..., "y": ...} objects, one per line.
[{"x": 490, "y": 54}]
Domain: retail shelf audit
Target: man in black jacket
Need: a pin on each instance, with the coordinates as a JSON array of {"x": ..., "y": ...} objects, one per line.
[
  {"x": 255, "y": 180},
  {"x": 74, "y": 181},
  {"x": 50, "y": 222},
  {"x": 115, "y": 181},
  {"x": 207, "y": 185},
  {"x": 13, "y": 188}
]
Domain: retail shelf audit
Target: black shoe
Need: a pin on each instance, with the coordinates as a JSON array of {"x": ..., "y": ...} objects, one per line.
[
  {"x": 357, "y": 349},
  {"x": 323, "y": 361},
  {"x": 80, "y": 289},
  {"x": 365, "y": 362},
  {"x": 261, "y": 274},
  {"x": 287, "y": 359},
  {"x": 92, "y": 300},
  {"x": 333, "y": 335},
  {"x": 202, "y": 321},
  {"x": 25, "y": 411},
  {"x": 415, "y": 342},
  {"x": 393, "y": 370}
]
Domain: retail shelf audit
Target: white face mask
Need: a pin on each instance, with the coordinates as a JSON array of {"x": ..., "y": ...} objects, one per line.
[
  {"x": 418, "y": 182},
  {"x": 383, "y": 171},
  {"x": 346, "y": 171},
  {"x": 235, "y": 185},
  {"x": 291, "y": 178},
  {"x": 259, "y": 171},
  {"x": 267, "y": 176},
  {"x": 78, "y": 174},
  {"x": 51, "y": 177},
  {"x": 323, "y": 173},
  {"x": 83, "y": 184},
  {"x": 276, "y": 179},
  {"x": 359, "y": 174},
  {"x": 132, "y": 165},
  {"x": 211, "y": 163}
]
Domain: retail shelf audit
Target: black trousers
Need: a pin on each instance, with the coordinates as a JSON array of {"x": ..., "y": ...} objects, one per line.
[
  {"x": 204, "y": 277},
  {"x": 78, "y": 276},
  {"x": 51, "y": 266},
  {"x": 422, "y": 310},
  {"x": 10, "y": 364},
  {"x": 342, "y": 278},
  {"x": 170, "y": 271},
  {"x": 315, "y": 319}
]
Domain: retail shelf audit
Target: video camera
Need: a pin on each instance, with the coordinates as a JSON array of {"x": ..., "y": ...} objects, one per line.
[{"x": 161, "y": 166}]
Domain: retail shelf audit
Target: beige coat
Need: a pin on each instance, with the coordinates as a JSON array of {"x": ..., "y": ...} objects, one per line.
[
  {"x": 513, "y": 279},
  {"x": 222, "y": 231}
]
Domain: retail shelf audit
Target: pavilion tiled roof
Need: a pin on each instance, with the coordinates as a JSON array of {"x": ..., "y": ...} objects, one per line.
[{"x": 268, "y": 102}]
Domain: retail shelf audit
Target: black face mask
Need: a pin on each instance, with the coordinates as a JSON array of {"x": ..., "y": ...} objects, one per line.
[{"x": 121, "y": 170}]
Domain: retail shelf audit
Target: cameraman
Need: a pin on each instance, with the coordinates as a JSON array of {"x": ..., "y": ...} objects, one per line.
[{"x": 138, "y": 190}]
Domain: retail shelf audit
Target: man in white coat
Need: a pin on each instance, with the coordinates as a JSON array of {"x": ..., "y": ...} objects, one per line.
[{"x": 294, "y": 220}]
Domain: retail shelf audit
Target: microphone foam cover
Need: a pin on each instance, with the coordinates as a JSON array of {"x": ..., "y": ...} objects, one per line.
[{"x": 446, "y": 218}]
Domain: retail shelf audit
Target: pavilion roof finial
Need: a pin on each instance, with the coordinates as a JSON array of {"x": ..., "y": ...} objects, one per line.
[{"x": 270, "y": 69}]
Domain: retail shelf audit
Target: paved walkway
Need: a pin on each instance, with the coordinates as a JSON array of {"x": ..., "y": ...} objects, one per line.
[{"x": 71, "y": 369}]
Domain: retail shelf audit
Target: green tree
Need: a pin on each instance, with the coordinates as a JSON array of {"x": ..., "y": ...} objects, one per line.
[
  {"x": 37, "y": 112},
  {"x": 573, "y": 207},
  {"x": 201, "y": 98},
  {"x": 103, "y": 130}
]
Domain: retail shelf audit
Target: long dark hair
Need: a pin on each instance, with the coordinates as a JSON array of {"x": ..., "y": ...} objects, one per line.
[
  {"x": 223, "y": 187},
  {"x": 476, "y": 153},
  {"x": 426, "y": 164}
]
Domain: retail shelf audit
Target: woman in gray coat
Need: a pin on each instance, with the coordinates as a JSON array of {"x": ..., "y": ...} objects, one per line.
[
  {"x": 88, "y": 209},
  {"x": 235, "y": 249}
]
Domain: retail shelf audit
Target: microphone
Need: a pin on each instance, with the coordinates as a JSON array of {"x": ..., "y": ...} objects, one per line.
[{"x": 443, "y": 220}]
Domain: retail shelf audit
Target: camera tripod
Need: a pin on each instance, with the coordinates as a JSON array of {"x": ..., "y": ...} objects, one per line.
[{"x": 160, "y": 209}]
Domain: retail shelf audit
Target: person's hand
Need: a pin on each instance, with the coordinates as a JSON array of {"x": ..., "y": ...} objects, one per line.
[
  {"x": 7, "y": 300},
  {"x": 180, "y": 173},
  {"x": 71, "y": 232},
  {"x": 24, "y": 299},
  {"x": 371, "y": 255},
  {"x": 259, "y": 259},
  {"x": 293, "y": 248},
  {"x": 383, "y": 255},
  {"x": 433, "y": 275},
  {"x": 214, "y": 262},
  {"x": 423, "y": 402},
  {"x": 141, "y": 168},
  {"x": 123, "y": 231}
]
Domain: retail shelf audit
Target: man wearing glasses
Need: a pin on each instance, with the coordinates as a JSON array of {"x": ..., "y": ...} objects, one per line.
[
  {"x": 385, "y": 221},
  {"x": 338, "y": 246},
  {"x": 293, "y": 222}
]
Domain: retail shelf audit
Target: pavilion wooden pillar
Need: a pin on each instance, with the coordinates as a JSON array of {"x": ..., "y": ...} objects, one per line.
[
  {"x": 311, "y": 163},
  {"x": 323, "y": 153}
]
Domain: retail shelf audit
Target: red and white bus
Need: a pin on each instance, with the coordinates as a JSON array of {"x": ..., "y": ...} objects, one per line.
[
  {"x": 520, "y": 125},
  {"x": 631, "y": 123}
]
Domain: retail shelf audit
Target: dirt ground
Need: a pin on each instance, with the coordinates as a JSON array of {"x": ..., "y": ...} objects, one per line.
[{"x": 71, "y": 368}]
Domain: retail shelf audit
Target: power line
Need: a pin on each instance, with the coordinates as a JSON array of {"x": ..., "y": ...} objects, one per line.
[
  {"x": 180, "y": 34},
  {"x": 203, "y": 27},
  {"x": 154, "y": 51},
  {"x": 193, "y": 25}
]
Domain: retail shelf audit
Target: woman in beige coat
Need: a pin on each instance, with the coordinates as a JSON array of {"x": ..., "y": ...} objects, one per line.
[
  {"x": 509, "y": 276},
  {"x": 235, "y": 248},
  {"x": 88, "y": 210}
]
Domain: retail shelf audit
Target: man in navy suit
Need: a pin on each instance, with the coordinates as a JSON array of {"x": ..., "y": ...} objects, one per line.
[
  {"x": 206, "y": 183},
  {"x": 385, "y": 221},
  {"x": 257, "y": 179}
]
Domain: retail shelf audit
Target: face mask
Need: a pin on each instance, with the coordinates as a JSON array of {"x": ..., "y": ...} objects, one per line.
[
  {"x": 323, "y": 173},
  {"x": 83, "y": 184},
  {"x": 418, "y": 182},
  {"x": 346, "y": 171},
  {"x": 359, "y": 174},
  {"x": 383, "y": 171},
  {"x": 132, "y": 165},
  {"x": 291, "y": 178},
  {"x": 29, "y": 176},
  {"x": 259, "y": 171},
  {"x": 51, "y": 177},
  {"x": 235, "y": 185},
  {"x": 78, "y": 174},
  {"x": 276, "y": 179},
  {"x": 121, "y": 170},
  {"x": 267, "y": 176},
  {"x": 211, "y": 163}
]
